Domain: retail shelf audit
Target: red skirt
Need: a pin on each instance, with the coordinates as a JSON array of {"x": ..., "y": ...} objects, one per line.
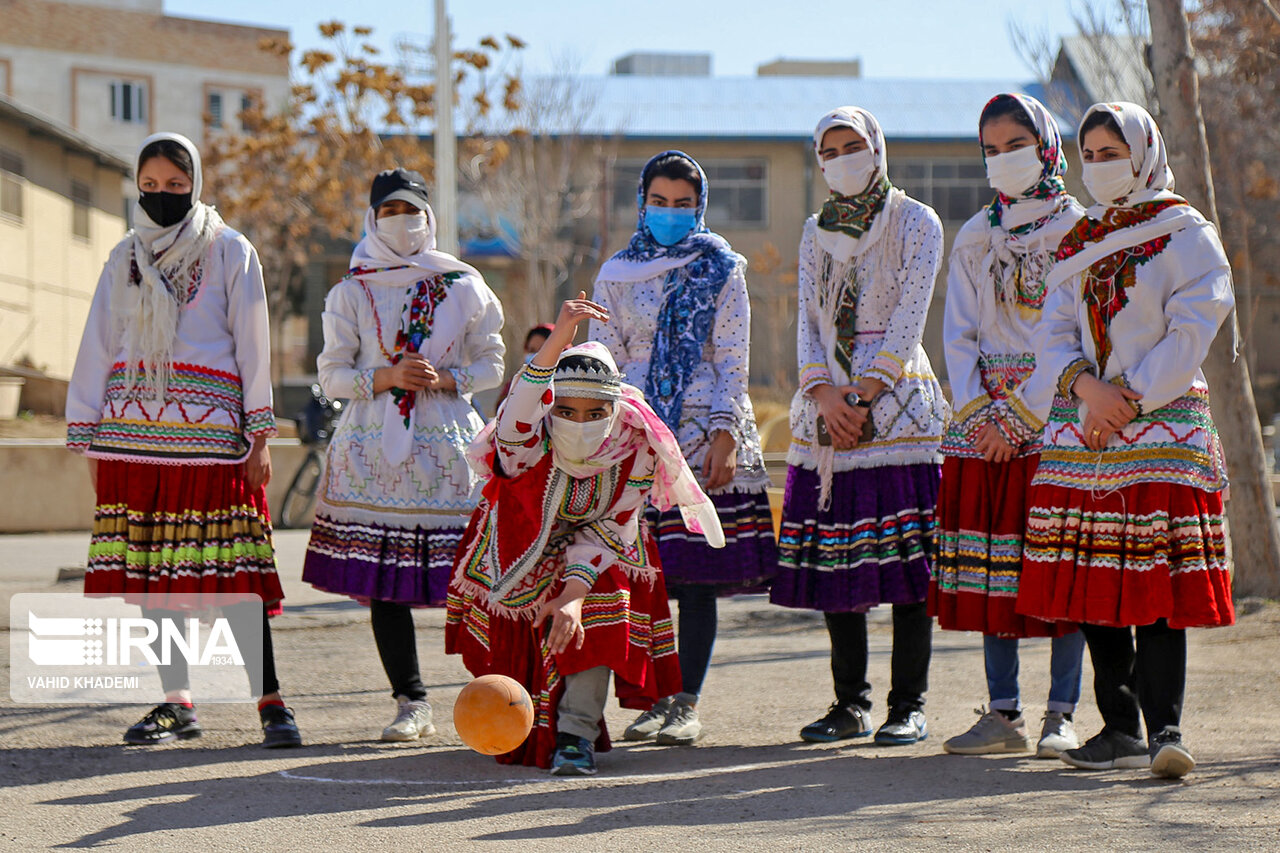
[
  {"x": 628, "y": 629},
  {"x": 165, "y": 530},
  {"x": 1144, "y": 552},
  {"x": 982, "y": 510}
]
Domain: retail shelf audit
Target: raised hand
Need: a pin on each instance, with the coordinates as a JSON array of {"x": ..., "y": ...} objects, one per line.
[{"x": 572, "y": 312}]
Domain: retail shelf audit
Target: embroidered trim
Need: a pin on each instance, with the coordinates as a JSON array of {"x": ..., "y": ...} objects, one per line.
[
  {"x": 813, "y": 375},
  {"x": 1070, "y": 374},
  {"x": 362, "y": 384},
  {"x": 260, "y": 422},
  {"x": 581, "y": 572},
  {"x": 80, "y": 436},
  {"x": 536, "y": 375}
]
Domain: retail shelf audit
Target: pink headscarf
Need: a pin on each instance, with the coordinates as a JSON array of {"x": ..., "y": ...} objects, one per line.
[{"x": 636, "y": 426}]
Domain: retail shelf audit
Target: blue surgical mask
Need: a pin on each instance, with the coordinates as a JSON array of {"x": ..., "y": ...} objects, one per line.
[{"x": 669, "y": 225}]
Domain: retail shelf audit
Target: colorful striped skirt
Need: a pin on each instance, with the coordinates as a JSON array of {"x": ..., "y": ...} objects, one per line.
[
  {"x": 162, "y": 530},
  {"x": 405, "y": 565},
  {"x": 1145, "y": 552},
  {"x": 872, "y": 545},
  {"x": 628, "y": 629},
  {"x": 746, "y": 563},
  {"x": 982, "y": 511}
]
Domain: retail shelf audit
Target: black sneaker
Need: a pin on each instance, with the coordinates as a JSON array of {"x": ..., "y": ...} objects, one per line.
[
  {"x": 278, "y": 727},
  {"x": 166, "y": 722},
  {"x": 1108, "y": 750},
  {"x": 1169, "y": 758},
  {"x": 574, "y": 756},
  {"x": 905, "y": 725},
  {"x": 841, "y": 722}
]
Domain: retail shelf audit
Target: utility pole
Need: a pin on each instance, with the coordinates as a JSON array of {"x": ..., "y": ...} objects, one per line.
[
  {"x": 1255, "y": 542},
  {"x": 445, "y": 199}
]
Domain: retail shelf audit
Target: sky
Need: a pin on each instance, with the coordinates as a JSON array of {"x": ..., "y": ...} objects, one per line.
[{"x": 893, "y": 38}]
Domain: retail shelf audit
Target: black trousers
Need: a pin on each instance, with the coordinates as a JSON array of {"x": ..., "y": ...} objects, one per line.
[
  {"x": 398, "y": 647},
  {"x": 1146, "y": 678},
  {"x": 696, "y": 636},
  {"x": 912, "y": 647},
  {"x": 241, "y": 618}
]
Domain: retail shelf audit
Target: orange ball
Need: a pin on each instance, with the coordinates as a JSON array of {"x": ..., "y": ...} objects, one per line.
[{"x": 493, "y": 714}]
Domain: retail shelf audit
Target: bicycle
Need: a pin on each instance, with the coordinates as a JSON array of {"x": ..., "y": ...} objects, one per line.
[{"x": 315, "y": 428}]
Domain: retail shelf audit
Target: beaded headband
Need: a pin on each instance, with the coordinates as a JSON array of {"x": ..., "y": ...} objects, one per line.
[{"x": 587, "y": 382}]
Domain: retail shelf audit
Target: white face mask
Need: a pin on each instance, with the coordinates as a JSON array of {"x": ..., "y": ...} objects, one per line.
[
  {"x": 405, "y": 233},
  {"x": 1109, "y": 181},
  {"x": 850, "y": 174},
  {"x": 1015, "y": 172},
  {"x": 576, "y": 441}
]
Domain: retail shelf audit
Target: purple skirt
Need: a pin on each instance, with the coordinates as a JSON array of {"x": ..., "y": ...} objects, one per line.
[
  {"x": 746, "y": 563},
  {"x": 380, "y": 562},
  {"x": 873, "y": 545}
]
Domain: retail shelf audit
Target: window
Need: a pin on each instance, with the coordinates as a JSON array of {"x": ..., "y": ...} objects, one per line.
[
  {"x": 215, "y": 109},
  {"x": 956, "y": 188},
  {"x": 129, "y": 102},
  {"x": 738, "y": 197},
  {"x": 81, "y": 201},
  {"x": 11, "y": 184}
]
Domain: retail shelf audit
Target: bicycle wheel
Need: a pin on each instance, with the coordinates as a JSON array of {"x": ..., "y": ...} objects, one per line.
[{"x": 299, "y": 500}]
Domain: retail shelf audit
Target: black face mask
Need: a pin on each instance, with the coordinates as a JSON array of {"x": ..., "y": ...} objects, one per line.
[{"x": 165, "y": 209}]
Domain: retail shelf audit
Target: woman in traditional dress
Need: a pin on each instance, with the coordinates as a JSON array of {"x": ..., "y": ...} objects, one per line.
[
  {"x": 571, "y": 460},
  {"x": 866, "y": 423},
  {"x": 170, "y": 400},
  {"x": 680, "y": 328},
  {"x": 410, "y": 334},
  {"x": 995, "y": 295},
  {"x": 1125, "y": 531}
]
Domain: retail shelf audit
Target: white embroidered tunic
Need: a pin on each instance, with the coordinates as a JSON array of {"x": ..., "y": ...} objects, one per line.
[
  {"x": 434, "y": 486},
  {"x": 994, "y": 304},
  {"x": 219, "y": 393},
  {"x": 888, "y": 287},
  {"x": 1173, "y": 304},
  {"x": 716, "y": 395}
]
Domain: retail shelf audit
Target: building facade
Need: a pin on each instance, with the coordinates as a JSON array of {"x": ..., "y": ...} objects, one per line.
[
  {"x": 61, "y": 211},
  {"x": 119, "y": 70}
]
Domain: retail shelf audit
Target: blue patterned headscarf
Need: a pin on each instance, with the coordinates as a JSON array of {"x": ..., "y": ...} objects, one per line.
[{"x": 697, "y": 268}]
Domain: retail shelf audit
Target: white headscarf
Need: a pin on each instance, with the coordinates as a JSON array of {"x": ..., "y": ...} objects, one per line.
[
  {"x": 1152, "y": 177},
  {"x": 1152, "y": 181},
  {"x": 842, "y": 246},
  {"x": 374, "y": 261},
  {"x": 146, "y": 312}
]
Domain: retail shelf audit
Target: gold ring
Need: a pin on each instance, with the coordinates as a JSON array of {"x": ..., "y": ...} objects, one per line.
[{"x": 1097, "y": 432}]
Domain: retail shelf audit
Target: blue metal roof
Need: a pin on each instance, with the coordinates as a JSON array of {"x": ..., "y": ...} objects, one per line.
[{"x": 783, "y": 107}]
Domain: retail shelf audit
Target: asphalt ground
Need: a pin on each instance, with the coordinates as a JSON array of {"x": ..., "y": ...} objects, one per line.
[{"x": 66, "y": 781}]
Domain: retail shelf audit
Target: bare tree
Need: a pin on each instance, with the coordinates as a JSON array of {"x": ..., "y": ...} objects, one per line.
[
  {"x": 1255, "y": 537},
  {"x": 1107, "y": 54},
  {"x": 539, "y": 171}
]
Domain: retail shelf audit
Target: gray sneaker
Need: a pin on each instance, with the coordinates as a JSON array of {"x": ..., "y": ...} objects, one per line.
[
  {"x": 413, "y": 720},
  {"x": 1057, "y": 735},
  {"x": 647, "y": 724},
  {"x": 994, "y": 732},
  {"x": 682, "y": 727}
]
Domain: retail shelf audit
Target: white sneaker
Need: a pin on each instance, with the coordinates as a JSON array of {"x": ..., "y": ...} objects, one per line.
[
  {"x": 413, "y": 720},
  {"x": 647, "y": 724},
  {"x": 682, "y": 727},
  {"x": 993, "y": 733},
  {"x": 1057, "y": 735}
]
